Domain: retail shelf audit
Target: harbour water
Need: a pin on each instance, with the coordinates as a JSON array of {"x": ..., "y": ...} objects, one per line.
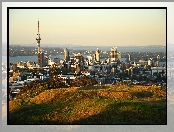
[
  {"x": 34, "y": 58},
  {"x": 92, "y": 48}
]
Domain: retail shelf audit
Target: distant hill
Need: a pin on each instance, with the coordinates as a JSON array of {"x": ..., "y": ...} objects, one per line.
[{"x": 151, "y": 48}]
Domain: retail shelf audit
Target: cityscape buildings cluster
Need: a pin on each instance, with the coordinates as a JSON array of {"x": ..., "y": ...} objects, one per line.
[{"x": 109, "y": 70}]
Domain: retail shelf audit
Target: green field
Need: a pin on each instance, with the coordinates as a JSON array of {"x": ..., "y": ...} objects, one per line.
[{"x": 116, "y": 104}]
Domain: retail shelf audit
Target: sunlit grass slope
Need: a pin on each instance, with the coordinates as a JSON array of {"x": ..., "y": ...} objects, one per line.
[{"x": 118, "y": 104}]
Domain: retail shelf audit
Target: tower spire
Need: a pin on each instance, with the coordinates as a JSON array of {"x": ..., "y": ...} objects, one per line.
[
  {"x": 38, "y": 26},
  {"x": 38, "y": 44}
]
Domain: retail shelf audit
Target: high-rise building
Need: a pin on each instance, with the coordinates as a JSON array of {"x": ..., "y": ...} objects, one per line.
[
  {"x": 149, "y": 62},
  {"x": 66, "y": 55},
  {"x": 42, "y": 60},
  {"x": 129, "y": 58},
  {"x": 97, "y": 55},
  {"x": 115, "y": 56},
  {"x": 157, "y": 62},
  {"x": 90, "y": 59},
  {"x": 79, "y": 58},
  {"x": 118, "y": 56}
]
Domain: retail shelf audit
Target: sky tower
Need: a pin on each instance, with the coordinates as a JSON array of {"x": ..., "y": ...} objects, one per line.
[{"x": 38, "y": 44}]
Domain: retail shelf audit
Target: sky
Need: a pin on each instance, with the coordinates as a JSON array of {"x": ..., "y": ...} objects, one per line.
[
  {"x": 88, "y": 26},
  {"x": 91, "y": 27}
]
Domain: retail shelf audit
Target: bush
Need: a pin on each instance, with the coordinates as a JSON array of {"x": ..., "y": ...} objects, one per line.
[{"x": 83, "y": 81}]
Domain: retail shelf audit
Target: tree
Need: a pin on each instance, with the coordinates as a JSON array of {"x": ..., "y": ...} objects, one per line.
[{"x": 83, "y": 81}]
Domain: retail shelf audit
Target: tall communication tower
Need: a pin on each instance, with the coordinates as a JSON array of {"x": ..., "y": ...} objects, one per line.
[{"x": 38, "y": 44}]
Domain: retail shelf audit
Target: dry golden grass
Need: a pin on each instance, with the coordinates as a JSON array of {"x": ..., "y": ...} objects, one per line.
[
  {"x": 14, "y": 104},
  {"x": 75, "y": 105},
  {"x": 115, "y": 95}
]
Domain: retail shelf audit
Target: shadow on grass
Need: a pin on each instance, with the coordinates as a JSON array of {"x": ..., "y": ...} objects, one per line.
[
  {"x": 116, "y": 113},
  {"x": 129, "y": 113},
  {"x": 33, "y": 114},
  {"x": 143, "y": 94}
]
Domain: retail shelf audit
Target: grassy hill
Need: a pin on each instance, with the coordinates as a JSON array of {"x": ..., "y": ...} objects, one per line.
[{"x": 117, "y": 104}]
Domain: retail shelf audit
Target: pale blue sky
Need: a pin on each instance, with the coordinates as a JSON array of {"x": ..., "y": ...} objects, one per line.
[{"x": 89, "y": 27}]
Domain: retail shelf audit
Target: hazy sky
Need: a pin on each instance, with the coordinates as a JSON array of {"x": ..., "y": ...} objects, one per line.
[{"x": 112, "y": 27}]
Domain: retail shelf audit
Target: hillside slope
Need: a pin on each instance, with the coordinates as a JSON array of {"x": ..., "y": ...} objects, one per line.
[{"x": 118, "y": 104}]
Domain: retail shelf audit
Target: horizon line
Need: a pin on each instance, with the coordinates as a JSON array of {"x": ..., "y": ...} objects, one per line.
[{"x": 90, "y": 45}]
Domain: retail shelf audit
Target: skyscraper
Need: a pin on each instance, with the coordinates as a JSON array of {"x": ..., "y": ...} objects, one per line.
[
  {"x": 42, "y": 60},
  {"x": 113, "y": 54},
  {"x": 66, "y": 55},
  {"x": 97, "y": 55},
  {"x": 118, "y": 56}
]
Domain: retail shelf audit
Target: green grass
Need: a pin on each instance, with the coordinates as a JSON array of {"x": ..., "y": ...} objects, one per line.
[{"x": 96, "y": 105}]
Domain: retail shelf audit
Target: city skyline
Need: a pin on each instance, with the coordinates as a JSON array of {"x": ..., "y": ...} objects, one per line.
[
  {"x": 88, "y": 27},
  {"x": 170, "y": 40}
]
